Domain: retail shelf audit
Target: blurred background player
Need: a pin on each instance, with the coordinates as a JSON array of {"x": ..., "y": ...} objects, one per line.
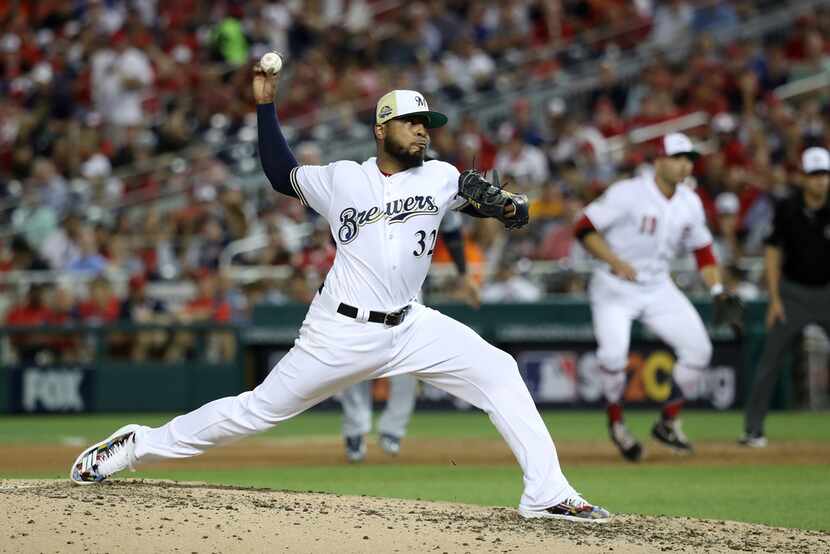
[
  {"x": 357, "y": 416},
  {"x": 636, "y": 228},
  {"x": 797, "y": 262}
]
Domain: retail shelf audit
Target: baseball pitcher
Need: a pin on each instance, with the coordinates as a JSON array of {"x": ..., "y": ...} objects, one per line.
[{"x": 364, "y": 322}]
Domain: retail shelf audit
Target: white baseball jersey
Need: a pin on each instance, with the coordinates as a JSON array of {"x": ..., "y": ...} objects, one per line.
[
  {"x": 385, "y": 227},
  {"x": 645, "y": 228}
]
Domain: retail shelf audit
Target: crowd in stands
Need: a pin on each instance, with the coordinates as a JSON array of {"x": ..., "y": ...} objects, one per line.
[{"x": 107, "y": 108}]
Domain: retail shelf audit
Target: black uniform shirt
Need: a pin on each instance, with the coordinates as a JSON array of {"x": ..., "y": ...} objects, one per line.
[{"x": 803, "y": 235}]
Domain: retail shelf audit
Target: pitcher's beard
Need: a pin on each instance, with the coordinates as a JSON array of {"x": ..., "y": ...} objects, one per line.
[{"x": 405, "y": 158}]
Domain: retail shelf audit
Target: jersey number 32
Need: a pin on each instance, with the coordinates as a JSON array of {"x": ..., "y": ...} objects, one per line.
[{"x": 422, "y": 242}]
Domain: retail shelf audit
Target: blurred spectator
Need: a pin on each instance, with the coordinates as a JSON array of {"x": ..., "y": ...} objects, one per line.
[
  {"x": 120, "y": 74},
  {"x": 727, "y": 244},
  {"x": 33, "y": 220},
  {"x": 521, "y": 162},
  {"x": 207, "y": 245},
  {"x": 52, "y": 188},
  {"x": 569, "y": 136},
  {"x": 102, "y": 306},
  {"x": 508, "y": 285},
  {"x": 67, "y": 346},
  {"x": 32, "y": 312},
  {"x": 139, "y": 308},
  {"x": 672, "y": 21},
  {"x": 121, "y": 255},
  {"x": 526, "y": 126},
  {"x": 89, "y": 259},
  {"x": 816, "y": 58},
  {"x": 549, "y": 205},
  {"x": 244, "y": 298},
  {"x": 299, "y": 288},
  {"x": 318, "y": 252},
  {"x": 60, "y": 247},
  {"x": 142, "y": 113},
  {"x": 230, "y": 42},
  {"x": 725, "y": 128},
  {"x": 558, "y": 241},
  {"x": 609, "y": 89},
  {"x": 235, "y": 212},
  {"x": 21, "y": 257},
  {"x": 207, "y": 306},
  {"x": 466, "y": 68}
]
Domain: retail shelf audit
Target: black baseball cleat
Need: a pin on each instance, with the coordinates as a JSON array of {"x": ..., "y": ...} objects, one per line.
[
  {"x": 626, "y": 443},
  {"x": 669, "y": 432},
  {"x": 355, "y": 449}
]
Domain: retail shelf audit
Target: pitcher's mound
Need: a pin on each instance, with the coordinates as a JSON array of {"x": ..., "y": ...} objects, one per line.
[{"x": 160, "y": 516}]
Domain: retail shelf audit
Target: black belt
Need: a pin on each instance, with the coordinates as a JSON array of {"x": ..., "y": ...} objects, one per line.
[{"x": 391, "y": 318}]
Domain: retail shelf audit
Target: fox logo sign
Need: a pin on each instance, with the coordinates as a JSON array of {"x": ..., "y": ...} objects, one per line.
[{"x": 54, "y": 390}]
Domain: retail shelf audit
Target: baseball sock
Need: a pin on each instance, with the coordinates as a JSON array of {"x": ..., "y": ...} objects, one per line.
[
  {"x": 674, "y": 403},
  {"x": 615, "y": 412}
]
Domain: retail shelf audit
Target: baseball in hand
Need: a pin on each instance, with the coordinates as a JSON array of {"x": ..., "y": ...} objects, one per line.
[{"x": 271, "y": 63}]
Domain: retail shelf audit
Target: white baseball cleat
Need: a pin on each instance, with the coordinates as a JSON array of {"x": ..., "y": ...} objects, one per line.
[
  {"x": 108, "y": 457},
  {"x": 574, "y": 508},
  {"x": 753, "y": 440},
  {"x": 390, "y": 444}
]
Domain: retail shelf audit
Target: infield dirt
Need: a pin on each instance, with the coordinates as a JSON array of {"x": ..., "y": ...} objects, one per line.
[
  {"x": 159, "y": 516},
  {"x": 129, "y": 515}
]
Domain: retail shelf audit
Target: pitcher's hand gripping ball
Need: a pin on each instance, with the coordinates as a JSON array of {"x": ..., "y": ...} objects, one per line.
[{"x": 271, "y": 63}]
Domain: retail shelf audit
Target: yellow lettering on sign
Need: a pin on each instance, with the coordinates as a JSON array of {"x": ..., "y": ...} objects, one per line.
[{"x": 659, "y": 361}]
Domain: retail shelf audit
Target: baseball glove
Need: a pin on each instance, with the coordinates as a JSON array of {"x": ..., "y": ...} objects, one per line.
[
  {"x": 490, "y": 199},
  {"x": 728, "y": 309}
]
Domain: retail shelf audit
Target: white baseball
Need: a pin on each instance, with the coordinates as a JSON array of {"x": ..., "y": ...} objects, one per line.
[{"x": 271, "y": 63}]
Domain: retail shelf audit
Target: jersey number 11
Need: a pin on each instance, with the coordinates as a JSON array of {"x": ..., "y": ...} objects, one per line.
[{"x": 648, "y": 225}]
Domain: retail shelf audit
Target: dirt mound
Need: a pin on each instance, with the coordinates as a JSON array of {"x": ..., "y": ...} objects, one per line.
[{"x": 160, "y": 516}]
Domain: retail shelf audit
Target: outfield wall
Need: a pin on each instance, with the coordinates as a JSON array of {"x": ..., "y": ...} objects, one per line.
[{"x": 552, "y": 342}]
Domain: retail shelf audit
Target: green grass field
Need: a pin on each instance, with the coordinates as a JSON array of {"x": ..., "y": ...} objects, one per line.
[{"x": 789, "y": 495}]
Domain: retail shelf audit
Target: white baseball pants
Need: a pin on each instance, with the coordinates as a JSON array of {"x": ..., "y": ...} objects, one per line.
[
  {"x": 334, "y": 351},
  {"x": 661, "y": 307}
]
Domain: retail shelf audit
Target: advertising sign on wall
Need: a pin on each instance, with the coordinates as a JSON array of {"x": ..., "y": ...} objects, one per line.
[
  {"x": 50, "y": 389},
  {"x": 571, "y": 376}
]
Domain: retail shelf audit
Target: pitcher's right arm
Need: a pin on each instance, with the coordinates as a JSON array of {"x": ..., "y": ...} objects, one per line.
[{"x": 274, "y": 154}]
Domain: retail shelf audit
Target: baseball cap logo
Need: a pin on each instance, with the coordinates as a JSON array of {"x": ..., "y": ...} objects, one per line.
[{"x": 398, "y": 103}]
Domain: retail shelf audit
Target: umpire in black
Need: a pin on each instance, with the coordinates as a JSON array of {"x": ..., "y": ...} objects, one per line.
[{"x": 797, "y": 264}]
